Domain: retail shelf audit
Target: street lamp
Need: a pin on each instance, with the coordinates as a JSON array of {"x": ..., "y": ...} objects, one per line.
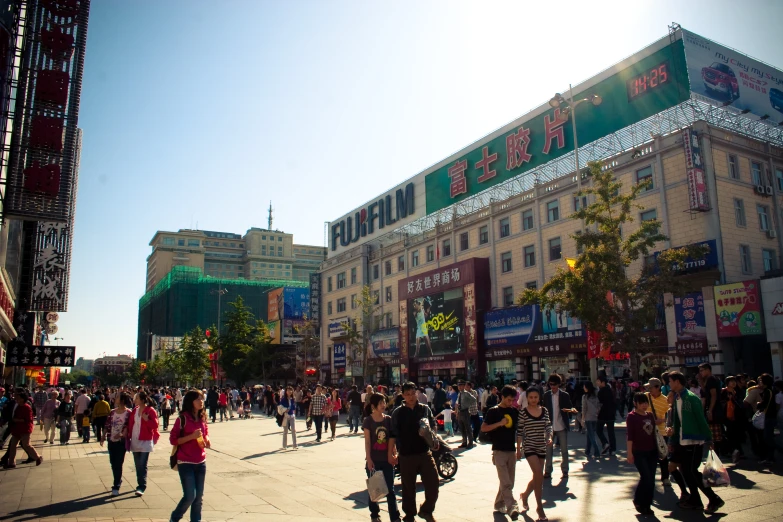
[
  {"x": 220, "y": 293},
  {"x": 570, "y": 110}
]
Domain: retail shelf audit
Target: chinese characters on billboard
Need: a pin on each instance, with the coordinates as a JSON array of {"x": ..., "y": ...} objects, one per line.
[
  {"x": 691, "y": 324},
  {"x": 41, "y": 355},
  {"x": 529, "y": 330},
  {"x": 339, "y": 357},
  {"x": 738, "y": 309},
  {"x": 694, "y": 163}
]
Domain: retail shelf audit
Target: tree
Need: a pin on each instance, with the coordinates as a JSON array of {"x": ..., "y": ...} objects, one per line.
[
  {"x": 262, "y": 351},
  {"x": 310, "y": 344},
  {"x": 108, "y": 378},
  {"x": 235, "y": 342},
  {"x": 78, "y": 376},
  {"x": 365, "y": 323},
  {"x": 611, "y": 264},
  {"x": 193, "y": 357}
]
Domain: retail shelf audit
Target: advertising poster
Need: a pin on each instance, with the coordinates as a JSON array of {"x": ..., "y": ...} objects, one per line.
[
  {"x": 315, "y": 297},
  {"x": 296, "y": 303},
  {"x": 509, "y": 326},
  {"x": 275, "y": 305},
  {"x": 738, "y": 309},
  {"x": 436, "y": 324},
  {"x": 691, "y": 324},
  {"x": 385, "y": 343},
  {"x": 339, "y": 357},
  {"x": 404, "y": 329},
  {"x": 724, "y": 75}
]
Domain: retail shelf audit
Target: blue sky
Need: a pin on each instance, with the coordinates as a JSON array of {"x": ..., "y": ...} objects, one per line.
[{"x": 199, "y": 115}]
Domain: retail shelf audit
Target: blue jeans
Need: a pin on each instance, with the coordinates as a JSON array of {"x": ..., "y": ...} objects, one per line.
[
  {"x": 140, "y": 459},
  {"x": 391, "y": 498},
  {"x": 192, "y": 478},
  {"x": 355, "y": 414},
  {"x": 591, "y": 442},
  {"x": 646, "y": 463}
]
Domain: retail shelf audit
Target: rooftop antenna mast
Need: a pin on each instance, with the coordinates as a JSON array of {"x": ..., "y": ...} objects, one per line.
[{"x": 269, "y": 226}]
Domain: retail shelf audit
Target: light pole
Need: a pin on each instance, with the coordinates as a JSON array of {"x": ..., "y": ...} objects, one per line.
[
  {"x": 58, "y": 339},
  {"x": 220, "y": 293},
  {"x": 570, "y": 110}
]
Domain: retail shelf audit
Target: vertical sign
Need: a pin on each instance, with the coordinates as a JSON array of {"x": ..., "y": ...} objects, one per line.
[
  {"x": 315, "y": 297},
  {"x": 51, "y": 267},
  {"x": 694, "y": 163},
  {"x": 339, "y": 357},
  {"x": 691, "y": 324},
  {"x": 738, "y": 309},
  {"x": 469, "y": 296},
  {"x": 404, "y": 329}
]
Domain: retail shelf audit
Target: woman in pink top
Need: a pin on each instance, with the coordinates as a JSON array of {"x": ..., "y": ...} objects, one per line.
[
  {"x": 333, "y": 407},
  {"x": 142, "y": 436},
  {"x": 191, "y": 436}
]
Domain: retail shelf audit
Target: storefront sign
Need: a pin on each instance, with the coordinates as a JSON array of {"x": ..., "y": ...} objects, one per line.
[
  {"x": 51, "y": 254},
  {"x": 38, "y": 355},
  {"x": 694, "y": 163},
  {"x": 509, "y": 326},
  {"x": 511, "y": 352},
  {"x": 738, "y": 309},
  {"x": 708, "y": 261},
  {"x": 442, "y": 365},
  {"x": 722, "y": 75},
  {"x": 337, "y": 328},
  {"x": 434, "y": 280},
  {"x": 404, "y": 329},
  {"x": 296, "y": 303},
  {"x": 554, "y": 348},
  {"x": 6, "y": 302},
  {"x": 339, "y": 357},
  {"x": 691, "y": 324},
  {"x": 469, "y": 295},
  {"x": 696, "y": 360},
  {"x": 315, "y": 297},
  {"x": 557, "y": 325},
  {"x": 772, "y": 297},
  {"x": 385, "y": 343}
]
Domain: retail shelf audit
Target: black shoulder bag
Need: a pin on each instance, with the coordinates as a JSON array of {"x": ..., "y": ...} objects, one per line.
[{"x": 173, "y": 457}]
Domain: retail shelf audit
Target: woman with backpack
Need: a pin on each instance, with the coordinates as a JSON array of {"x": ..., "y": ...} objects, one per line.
[
  {"x": 117, "y": 435},
  {"x": 190, "y": 435},
  {"x": 143, "y": 433}
]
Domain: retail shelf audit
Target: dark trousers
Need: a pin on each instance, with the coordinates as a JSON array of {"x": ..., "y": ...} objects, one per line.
[
  {"x": 733, "y": 436},
  {"x": 476, "y": 425},
  {"x": 166, "y": 415},
  {"x": 676, "y": 474},
  {"x": 117, "y": 459},
  {"x": 692, "y": 457},
  {"x": 99, "y": 425},
  {"x": 645, "y": 462},
  {"x": 140, "y": 459},
  {"x": 465, "y": 428},
  {"x": 192, "y": 478},
  {"x": 319, "y": 424},
  {"x": 610, "y": 432},
  {"x": 410, "y": 466},
  {"x": 213, "y": 413},
  {"x": 391, "y": 499}
]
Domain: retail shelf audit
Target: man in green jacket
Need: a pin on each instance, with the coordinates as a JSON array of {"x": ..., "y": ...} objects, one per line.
[{"x": 687, "y": 436}]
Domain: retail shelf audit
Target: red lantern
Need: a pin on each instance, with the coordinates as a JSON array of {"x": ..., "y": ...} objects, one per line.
[
  {"x": 207, "y": 333},
  {"x": 310, "y": 372}
]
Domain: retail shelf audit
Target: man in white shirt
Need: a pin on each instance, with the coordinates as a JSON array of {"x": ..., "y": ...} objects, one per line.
[
  {"x": 558, "y": 405},
  {"x": 80, "y": 406},
  {"x": 430, "y": 393}
]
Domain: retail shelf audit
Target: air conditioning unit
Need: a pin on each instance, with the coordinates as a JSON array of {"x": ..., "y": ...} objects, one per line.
[
  {"x": 771, "y": 233},
  {"x": 760, "y": 190},
  {"x": 768, "y": 188}
]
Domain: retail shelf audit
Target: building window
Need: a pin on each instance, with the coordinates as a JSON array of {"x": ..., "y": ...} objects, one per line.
[
  {"x": 353, "y": 301},
  {"x": 505, "y": 228},
  {"x": 446, "y": 247},
  {"x": 555, "y": 249},
  {"x": 733, "y": 167},
  {"x": 763, "y": 212},
  {"x": 180, "y": 242},
  {"x": 579, "y": 248},
  {"x": 376, "y": 296},
  {"x": 530, "y": 256},
  {"x": 279, "y": 238},
  {"x": 552, "y": 211},
  {"x": 779, "y": 177},
  {"x": 770, "y": 262},
  {"x": 649, "y": 215},
  {"x": 388, "y": 294},
  {"x": 376, "y": 272},
  {"x": 739, "y": 212},
  {"x": 533, "y": 285},
  {"x": 579, "y": 203},
  {"x": 430, "y": 253},
  {"x": 649, "y": 263},
  {"x": 505, "y": 262},
  {"x": 642, "y": 175},
  {"x": 341, "y": 280},
  {"x": 464, "y": 242},
  {"x": 483, "y": 235},
  {"x": 341, "y": 305},
  {"x": 329, "y": 284},
  {"x": 401, "y": 263},
  {"x": 527, "y": 219},
  {"x": 169, "y": 241},
  {"x": 353, "y": 275},
  {"x": 755, "y": 172},
  {"x": 388, "y": 317},
  {"x": 414, "y": 258},
  {"x": 508, "y": 296},
  {"x": 387, "y": 268},
  {"x": 745, "y": 259},
  {"x": 329, "y": 308}
]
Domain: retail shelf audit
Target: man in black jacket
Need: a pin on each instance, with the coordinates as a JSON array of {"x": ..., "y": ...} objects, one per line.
[
  {"x": 440, "y": 398},
  {"x": 606, "y": 416},
  {"x": 558, "y": 406},
  {"x": 212, "y": 402}
]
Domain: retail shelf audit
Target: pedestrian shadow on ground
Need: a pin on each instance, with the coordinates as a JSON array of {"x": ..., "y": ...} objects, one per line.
[
  {"x": 360, "y": 498},
  {"x": 60, "y": 509}
]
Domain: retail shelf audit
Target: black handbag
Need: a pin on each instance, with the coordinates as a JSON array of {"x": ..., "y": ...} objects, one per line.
[{"x": 173, "y": 457}]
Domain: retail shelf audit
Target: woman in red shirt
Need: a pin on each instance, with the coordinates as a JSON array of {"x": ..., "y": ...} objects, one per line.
[
  {"x": 190, "y": 435},
  {"x": 223, "y": 405},
  {"x": 642, "y": 451},
  {"x": 21, "y": 428}
]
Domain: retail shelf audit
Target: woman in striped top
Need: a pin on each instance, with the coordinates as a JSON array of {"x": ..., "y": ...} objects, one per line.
[{"x": 534, "y": 434}]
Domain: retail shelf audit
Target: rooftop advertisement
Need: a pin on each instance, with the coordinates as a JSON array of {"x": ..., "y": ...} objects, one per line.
[{"x": 722, "y": 75}]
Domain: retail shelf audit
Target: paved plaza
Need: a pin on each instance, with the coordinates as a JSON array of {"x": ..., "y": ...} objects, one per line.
[{"x": 250, "y": 478}]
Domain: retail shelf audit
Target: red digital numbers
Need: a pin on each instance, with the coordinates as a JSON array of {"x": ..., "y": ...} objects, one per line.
[{"x": 647, "y": 81}]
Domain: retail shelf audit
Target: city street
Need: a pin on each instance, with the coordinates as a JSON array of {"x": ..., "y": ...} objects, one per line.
[{"x": 249, "y": 477}]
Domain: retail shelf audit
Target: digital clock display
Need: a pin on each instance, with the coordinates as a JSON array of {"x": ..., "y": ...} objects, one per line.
[{"x": 648, "y": 81}]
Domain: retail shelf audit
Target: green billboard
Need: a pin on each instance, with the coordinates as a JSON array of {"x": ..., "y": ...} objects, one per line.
[{"x": 652, "y": 84}]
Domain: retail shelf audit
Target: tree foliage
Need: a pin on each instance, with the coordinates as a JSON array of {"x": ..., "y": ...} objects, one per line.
[
  {"x": 192, "y": 358},
  {"x": 613, "y": 263},
  {"x": 236, "y": 342},
  {"x": 262, "y": 352},
  {"x": 365, "y": 322}
]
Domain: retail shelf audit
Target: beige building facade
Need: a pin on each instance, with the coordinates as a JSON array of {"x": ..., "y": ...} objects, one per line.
[
  {"x": 259, "y": 254},
  {"x": 527, "y": 237}
]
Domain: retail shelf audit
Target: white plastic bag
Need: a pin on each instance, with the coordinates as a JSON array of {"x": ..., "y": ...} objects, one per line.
[
  {"x": 714, "y": 472},
  {"x": 376, "y": 487}
]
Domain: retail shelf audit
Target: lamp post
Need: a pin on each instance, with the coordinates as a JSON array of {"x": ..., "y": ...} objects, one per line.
[
  {"x": 220, "y": 293},
  {"x": 570, "y": 110}
]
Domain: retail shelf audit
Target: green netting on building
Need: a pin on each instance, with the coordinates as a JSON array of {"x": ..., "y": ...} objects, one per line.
[{"x": 186, "y": 298}]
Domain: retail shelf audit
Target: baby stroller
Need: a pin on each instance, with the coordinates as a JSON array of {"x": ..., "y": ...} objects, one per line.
[{"x": 244, "y": 410}]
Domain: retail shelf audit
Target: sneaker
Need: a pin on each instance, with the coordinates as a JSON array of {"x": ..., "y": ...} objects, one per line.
[
  {"x": 735, "y": 456},
  {"x": 139, "y": 492},
  {"x": 115, "y": 492},
  {"x": 426, "y": 516},
  {"x": 51, "y": 442},
  {"x": 714, "y": 506},
  {"x": 666, "y": 482},
  {"x": 45, "y": 441},
  {"x": 605, "y": 450},
  {"x": 514, "y": 514}
]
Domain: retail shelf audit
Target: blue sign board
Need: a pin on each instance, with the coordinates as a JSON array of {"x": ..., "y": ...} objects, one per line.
[
  {"x": 706, "y": 262},
  {"x": 509, "y": 326},
  {"x": 386, "y": 343},
  {"x": 339, "y": 357},
  {"x": 296, "y": 303}
]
